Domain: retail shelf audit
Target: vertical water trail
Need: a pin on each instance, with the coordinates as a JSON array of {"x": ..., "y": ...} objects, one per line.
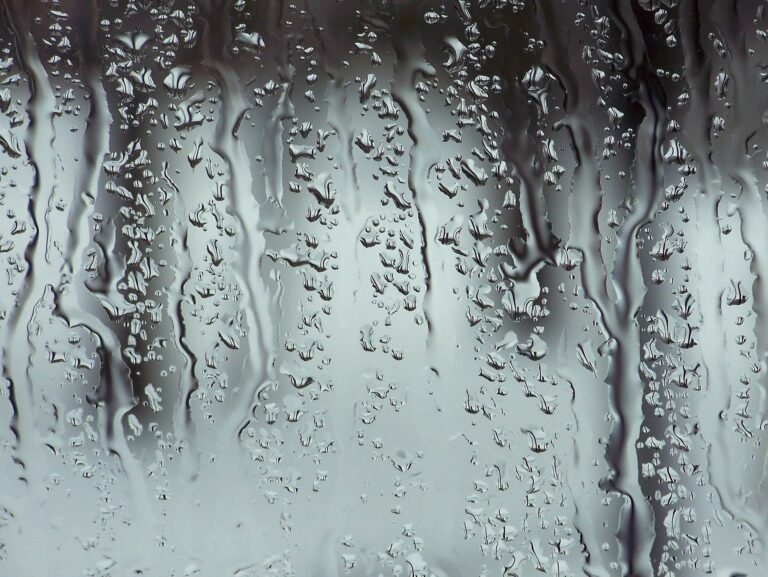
[
  {"x": 78, "y": 305},
  {"x": 95, "y": 138},
  {"x": 711, "y": 258},
  {"x": 424, "y": 155},
  {"x": 520, "y": 146},
  {"x": 40, "y": 271},
  {"x": 585, "y": 203},
  {"x": 227, "y": 145},
  {"x": 273, "y": 149},
  {"x": 747, "y": 105},
  {"x": 188, "y": 381},
  {"x": 340, "y": 109},
  {"x": 625, "y": 379}
]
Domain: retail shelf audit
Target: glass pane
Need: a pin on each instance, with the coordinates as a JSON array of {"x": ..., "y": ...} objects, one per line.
[{"x": 383, "y": 288}]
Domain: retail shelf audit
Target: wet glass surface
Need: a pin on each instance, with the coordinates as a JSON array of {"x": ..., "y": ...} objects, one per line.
[{"x": 472, "y": 288}]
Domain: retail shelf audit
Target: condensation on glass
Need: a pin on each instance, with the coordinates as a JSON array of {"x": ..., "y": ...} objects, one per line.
[{"x": 473, "y": 288}]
